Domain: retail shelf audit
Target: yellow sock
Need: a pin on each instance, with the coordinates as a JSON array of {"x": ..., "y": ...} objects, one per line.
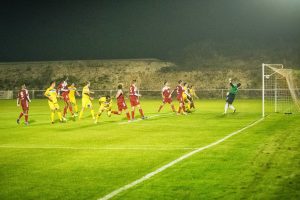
[
  {"x": 59, "y": 115},
  {"x": 76, "y": 108},
  {"x": 93, "y": 114},
  {"x": 80, "y": 114},
  {"x": 52, "y": 116}
]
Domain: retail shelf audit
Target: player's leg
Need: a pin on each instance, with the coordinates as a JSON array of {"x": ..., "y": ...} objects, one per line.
[
  {"x": 52, "y": 116},
  {"x": 70, "y": 106},
  {"x": 58, "y": 112},
  {"x": 65, "y": 108},
  {"x": 92, "y": 110},
  {"x": 83, "y": 106},
  {"x": 127, "y": 114},
  {"x": 81, "y": 112},
  {"x": 226, "y": 107},
  {"x": 132, "y": 112},
  {"x": 26, "y": 116},
  {"x": 99, "y": 114},
  {"x": 109, "y": 113},
  {"x": 232, "y": 107},
  {"x": 173, "y": 107},
  {"x": 141, "y": 111},
  {"x": 179, "y": 108},
  {"x": 20, "y": 116},
  {"x": 161, "y": 106},
  {"x": 52, "y": 111}
]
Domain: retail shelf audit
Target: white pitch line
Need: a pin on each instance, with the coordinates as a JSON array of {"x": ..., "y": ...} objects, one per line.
[
  {"x": 94, "y": 148},
  {"x": 147, "y": 176}
]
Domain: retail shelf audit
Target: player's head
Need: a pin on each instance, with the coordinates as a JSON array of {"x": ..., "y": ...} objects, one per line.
[
  {"x": 88, "y": 83},
  {"x": 107, "y": 98},
  {"x": 133, "y": 82},
  {"x": 120, "y": 86},
  {"x": 23, "y": 87},
  {"x": 239, "y": 85},
  {"x": 52, "y": 83},
  {"x": 73, "y": 84},
  {"x": 180, "y": 82},
  {"x": 191, "y": 86},
  {"x": 184, "y": 84},
  {"x": 166, "y": 83}
]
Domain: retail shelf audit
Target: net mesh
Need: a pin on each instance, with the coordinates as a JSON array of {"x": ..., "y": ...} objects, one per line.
[{"x": 280, "y": 91}]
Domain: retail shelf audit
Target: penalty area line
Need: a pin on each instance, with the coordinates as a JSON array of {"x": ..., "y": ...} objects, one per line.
[{"x": 181, "y": 158}]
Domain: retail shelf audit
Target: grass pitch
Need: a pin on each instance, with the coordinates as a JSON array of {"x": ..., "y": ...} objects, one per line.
[{"x": 81, "y": 160}]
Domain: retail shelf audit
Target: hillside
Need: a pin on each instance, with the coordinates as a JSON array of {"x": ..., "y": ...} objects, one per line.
[{"x": 105, "y": 74}]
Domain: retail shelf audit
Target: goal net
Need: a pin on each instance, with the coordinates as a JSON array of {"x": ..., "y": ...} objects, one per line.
[{"x": 279, "y": 91}]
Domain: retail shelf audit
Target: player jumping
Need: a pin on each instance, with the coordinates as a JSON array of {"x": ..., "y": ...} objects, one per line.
[
  {"x": 51, "y": 94},
  {"x": 72, "y": 92},
  {"x": 167, "y": 96},
  {"x": 231, "y": 96},
  {"x": 87, "y": 100},
  {"x": 105, "y": 105},
  {"x": 23, "y": 99},
  {"x": 179, "y": 89},
  {"x": 134, "y": 100},
  {"x": 121, "y": 103}
]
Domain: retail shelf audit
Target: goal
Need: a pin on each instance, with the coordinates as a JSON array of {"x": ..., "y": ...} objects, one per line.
[{"x": 279, "y": 91}]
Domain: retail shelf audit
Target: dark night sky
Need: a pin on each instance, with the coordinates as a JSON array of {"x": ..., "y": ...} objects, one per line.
[{"x": 60, "y": 30}]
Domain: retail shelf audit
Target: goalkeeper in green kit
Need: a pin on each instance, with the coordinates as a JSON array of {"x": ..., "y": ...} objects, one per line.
[{"x": 231, "y": 96}]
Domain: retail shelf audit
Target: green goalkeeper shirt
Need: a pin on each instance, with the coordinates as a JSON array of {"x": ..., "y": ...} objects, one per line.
[{"x": 234, "y": 89}]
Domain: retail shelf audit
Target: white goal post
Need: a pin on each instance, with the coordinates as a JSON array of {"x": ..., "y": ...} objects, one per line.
[{"x": 279, "y": 91}]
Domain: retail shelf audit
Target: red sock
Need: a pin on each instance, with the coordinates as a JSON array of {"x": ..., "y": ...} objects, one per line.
[
  {"x": 179, "y": 110},
  {"x": 128, "y": 115},
  {"x": 141, "y": 112},
  {"x": 115, "y": 112},
  {"x": 21, "y": 114},
  {"x": 132, "y": 114},
  {"x": 173, "y": 108},
  {"x": 160, "y": 107},
  {"x": 26, "y": 118},
  {"x": 65, "y": 110},
  {"x": 71, "y": 109},
  {"x": 183, "y": 108}
]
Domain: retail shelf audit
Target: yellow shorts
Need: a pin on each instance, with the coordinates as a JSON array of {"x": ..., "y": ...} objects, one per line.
[
  {"x": 86, "y": 103},
  {"x": 53, "y": 106},
  {"x": 72, "y": 100},
  {"x": 103, "y": 108}
]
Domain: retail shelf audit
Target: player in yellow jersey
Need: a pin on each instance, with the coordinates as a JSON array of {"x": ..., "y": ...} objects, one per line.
[
  {"x": 87, "y": 100},
  {"x": 193, "y": 95},
  {"x": 186, "y": 97},
  {"x": 51, "y": 94},
  {"x": 72, "y": 92},
  {"x": 105, "y": 105}
]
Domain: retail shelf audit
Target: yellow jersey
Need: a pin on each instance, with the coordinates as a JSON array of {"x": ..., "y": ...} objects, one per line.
[
  {"x": 103, "y": 102},
  {"x": 72, "y": 90},
  {"x": 52, "y": 94},
  {"x": 85, "y": 92}
]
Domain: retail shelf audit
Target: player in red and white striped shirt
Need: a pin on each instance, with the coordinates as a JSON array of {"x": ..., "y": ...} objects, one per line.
[
  {"x": 179, "y": 89},
  {"x": 134, "y": 100},
  {"x": 23, "y": 100},
  {"x": 121, "y": 103},
  {"x": 167, "y": 96},
  {"x": 63, "y": 91}
]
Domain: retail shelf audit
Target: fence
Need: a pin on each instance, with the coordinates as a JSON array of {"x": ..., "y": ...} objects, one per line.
[{"x": 156, "y": 94}]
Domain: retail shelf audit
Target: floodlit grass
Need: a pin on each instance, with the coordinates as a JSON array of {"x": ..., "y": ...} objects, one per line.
[{"x": 82, "y": 160}]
